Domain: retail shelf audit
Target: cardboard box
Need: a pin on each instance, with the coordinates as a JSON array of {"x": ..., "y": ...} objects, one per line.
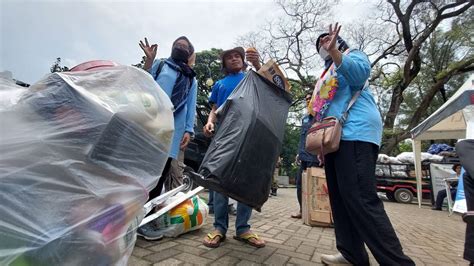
[
  {"x": 316, "y": 208},
  {"x": 271, "y": 71}
]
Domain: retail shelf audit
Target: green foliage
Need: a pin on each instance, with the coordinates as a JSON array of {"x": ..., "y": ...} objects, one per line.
[
  {"x": 405, "y": 146},
  {"x": 298, "y": 92},
  {"x": 445, "y": 58},
  {"x": 391, "y": 79},
  {"x": 56, "y": 67},
  {"x": 290, "y": 149},
  {"x": 207, "y": 66},
  {"x": 440, "y": 55}
]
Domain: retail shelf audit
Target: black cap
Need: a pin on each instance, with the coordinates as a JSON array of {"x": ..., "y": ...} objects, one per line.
[
  {"x": 319, "y": 40},
  {"x": 342, "y": 44}
]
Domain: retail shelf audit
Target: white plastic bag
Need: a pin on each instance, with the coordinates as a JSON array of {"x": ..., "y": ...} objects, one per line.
[{"x": 188, "y": 216}]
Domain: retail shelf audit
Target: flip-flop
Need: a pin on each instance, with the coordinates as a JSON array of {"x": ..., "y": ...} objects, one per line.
[
  {"x": 245, "y": 237},
  {"x": 210, "y": 237}
]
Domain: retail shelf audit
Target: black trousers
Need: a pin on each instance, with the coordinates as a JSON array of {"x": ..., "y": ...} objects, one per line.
[
  {"x": 442, "y": 195},
  {"x": 465, "y": 150},
  {"x": 359, "y": 215},
  {"x": 155, "y": 192}
]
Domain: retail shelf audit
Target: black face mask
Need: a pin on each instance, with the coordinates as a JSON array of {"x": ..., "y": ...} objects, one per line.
[{"x": 180, "y": 55}]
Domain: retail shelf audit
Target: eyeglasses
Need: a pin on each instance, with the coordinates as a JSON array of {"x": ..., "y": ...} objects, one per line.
[{"x": 308, "y": 99}]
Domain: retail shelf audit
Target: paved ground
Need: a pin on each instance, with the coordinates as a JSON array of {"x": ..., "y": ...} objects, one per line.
[{"x": 428, "y": 237}]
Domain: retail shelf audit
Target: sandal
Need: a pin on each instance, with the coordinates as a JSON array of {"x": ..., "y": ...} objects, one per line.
[
  {"x": 208, "y": 241},
  {"x": 247, "y": 238}
]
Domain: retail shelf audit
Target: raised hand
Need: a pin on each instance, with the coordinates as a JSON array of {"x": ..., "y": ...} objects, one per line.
[
  {"x": 253, "y": 57},
  {"x": 150, "y": 51},
  {"x": 329, "y": 42}
]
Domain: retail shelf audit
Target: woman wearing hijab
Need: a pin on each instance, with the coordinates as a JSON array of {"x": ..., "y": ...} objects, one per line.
[
  {"x": 176, "y": 77},
  {"x": 359, "y": 215}
]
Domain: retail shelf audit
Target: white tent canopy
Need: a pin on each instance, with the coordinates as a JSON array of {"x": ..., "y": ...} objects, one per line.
[{"x": 453, "y": 120}]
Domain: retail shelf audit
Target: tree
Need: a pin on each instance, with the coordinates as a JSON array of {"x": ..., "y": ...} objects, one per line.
[
  {"x": 418, "y": 49},
  {"x": 290, "y": 149},
  {"x": 207, "y": 68},
  {"x": 415, "y": 22},
  {"x": 290, "y": 39},
  {"x": 56, "y": 67}
]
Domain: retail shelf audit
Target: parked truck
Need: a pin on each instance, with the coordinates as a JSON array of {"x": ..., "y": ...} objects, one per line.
[{"x": 398, "y": 181}]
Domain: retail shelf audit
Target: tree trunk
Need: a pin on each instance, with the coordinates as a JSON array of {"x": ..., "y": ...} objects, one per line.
[
  {"x": 391, "y": 142},
  {"x": 395, "y": 102}
]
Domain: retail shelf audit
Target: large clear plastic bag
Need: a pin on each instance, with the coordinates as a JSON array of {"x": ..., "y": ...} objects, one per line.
[{"x": 79, "y": 153}]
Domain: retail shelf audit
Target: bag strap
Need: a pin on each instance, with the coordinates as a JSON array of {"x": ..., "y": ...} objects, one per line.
[
  {"x": 351, "y": 103},
  {"x": 160, "y": 67},
  {"x": 321, "y": 155}
]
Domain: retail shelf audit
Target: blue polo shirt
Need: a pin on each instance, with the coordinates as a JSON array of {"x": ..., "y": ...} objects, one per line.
[{"x": 224, "y": 87}]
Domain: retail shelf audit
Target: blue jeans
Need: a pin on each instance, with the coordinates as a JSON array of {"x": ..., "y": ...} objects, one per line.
[
  {"x": 221, "y": 215},
  {"x": 210, "y": 202}
]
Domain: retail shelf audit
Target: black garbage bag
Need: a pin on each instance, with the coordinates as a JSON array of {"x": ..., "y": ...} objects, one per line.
[{"x": 243, "y": 154}]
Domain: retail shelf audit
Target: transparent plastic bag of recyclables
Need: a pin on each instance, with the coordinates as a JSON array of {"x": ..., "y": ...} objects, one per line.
[{"x": 79, "y": 152}]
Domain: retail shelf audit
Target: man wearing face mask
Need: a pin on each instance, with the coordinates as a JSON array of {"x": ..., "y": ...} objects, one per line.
[
  {"x": 359, "y": 215},
  {"x": 176, "y": 77}
]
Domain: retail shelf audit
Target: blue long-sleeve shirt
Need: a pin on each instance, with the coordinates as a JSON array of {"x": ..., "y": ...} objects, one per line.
[
  {"x": 364, "y": 122},
  {"x": 184, "y": 120}
]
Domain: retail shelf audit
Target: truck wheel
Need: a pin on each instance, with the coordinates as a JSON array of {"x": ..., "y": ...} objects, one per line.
[
  {"x": 390, "y": 196},
  {"x": 403, "y": 195}
]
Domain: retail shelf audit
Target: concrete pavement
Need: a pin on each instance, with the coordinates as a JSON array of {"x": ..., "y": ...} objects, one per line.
[{"x": 428, "y": 237}]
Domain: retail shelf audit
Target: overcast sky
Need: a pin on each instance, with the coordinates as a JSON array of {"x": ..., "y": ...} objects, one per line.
[{"x": 34, "y": 33}]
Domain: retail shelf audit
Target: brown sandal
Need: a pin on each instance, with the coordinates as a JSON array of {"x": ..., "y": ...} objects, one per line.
[
  {"x": 210, "y": 237},
  {"x": 247, "y": 238}
]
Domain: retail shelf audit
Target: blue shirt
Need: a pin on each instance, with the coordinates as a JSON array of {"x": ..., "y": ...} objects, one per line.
[
  {"x": 364, "y": 122},
  {"x": 184, "y": 120},
  {"x": 224, "y": 87}
]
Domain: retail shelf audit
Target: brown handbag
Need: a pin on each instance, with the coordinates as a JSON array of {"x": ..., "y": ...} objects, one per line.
[{"x": 324, "y": 136}]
